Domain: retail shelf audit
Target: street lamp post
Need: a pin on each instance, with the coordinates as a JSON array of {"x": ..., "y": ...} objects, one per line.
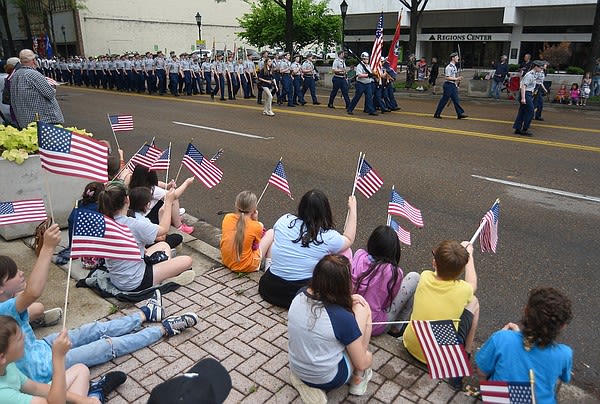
[
  {"x": 343, "y": 10},
  {"x": 64, "y": 32},
  {"x": 199, "y": 22}
]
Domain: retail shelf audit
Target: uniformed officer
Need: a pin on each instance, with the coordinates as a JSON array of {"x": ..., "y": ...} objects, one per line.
[
  {"x": 112, "y": 73},
  {"x": 159, "y": 71},
  {"x": 276, "y": 77},
  {"x": 230, "y": 77},
  {"x": 249, "y": 77},
  {"x": 339, "y": 80},
  {"x": 364, "y": 85},
  {"x": 187, "y": 74},
  {"x": 207, "y": 71},
  {"x": 129, "y": 79},
  {"x": 219, "y": 75},
  {"x": 308, "y": 71},
  {"x": 196, "y": 76},
  {"x": 239, "y": 74},
  {"x": 525, "y": 114},
  {"x": 77, "y": 78},
  {"x": 174, "y": 69},
  {"x": 297, "y": 81},
  {"x": 451, "y": 89},
  {"x": 149, "y": 64},
  {"x": 106, "y": 71},
  {"x": 120, "y": 64},
  {"x": 389, "y": 76},
  {"x": 287, "y": 89},
  {"x": 138, "y": 70}
]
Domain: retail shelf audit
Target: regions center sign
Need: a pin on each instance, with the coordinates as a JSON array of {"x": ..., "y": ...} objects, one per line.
[{"x": 469, "y": 37}]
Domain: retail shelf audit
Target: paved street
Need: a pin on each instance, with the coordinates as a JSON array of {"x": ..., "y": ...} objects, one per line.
[{"x": 448, "y": 168}]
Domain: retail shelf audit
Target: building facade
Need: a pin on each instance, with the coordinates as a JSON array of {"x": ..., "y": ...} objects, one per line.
[{"x": 483, "y": 29}]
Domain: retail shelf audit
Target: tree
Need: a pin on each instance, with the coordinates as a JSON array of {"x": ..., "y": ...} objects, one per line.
[
  {"x": 595, "y": 51},
  {"x": 9, "y": 46},
  {"x": 416, "y": 8},
  {"x": 556, "y": 55},
  {"x": 266, "y": 24}
]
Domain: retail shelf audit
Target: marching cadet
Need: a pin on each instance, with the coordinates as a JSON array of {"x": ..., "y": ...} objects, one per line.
[
  {"x": 85, "y": 64},
  {"x": 99, "y": 73},
  {"x": 249, "y": 76},
  {"x": 207, "y": 72},
  {"x": 297, "y": 79},
  {"x": 389, "y": 76},
  {"x": 106, "y": 72},
  {"x": 120, "y": 64},
  {"x": 128, "y": 67},
  {"x": 239, "y": 74},
  {"x": 230, "y": 77},
  {"x": 159, "y": 72},
  {"x": 378, "y": 100},
  {"x": 138, "y": 69},
  {"x": 308, "y": 71},
  {"x": 77, "y": 77},
  {"x": 174, "y": 69},
  {"x": 62, "y": 70},
  {"x": 339, "y": 80},
  {"x": 112, "y": 73},
  {"x": 70, "y": 68},
  {"x": 525, "y": 114},
  {"x": 364, "y": 85},
  {"x": 451, "y": 89},
  {"x": 149, "y": 64},
  {"x": 92, "y": 71},
  {"x": 196, "y": 77},
  {"x": 218, "y": 73},
  {"x": 186, "y": 84},
  {"x": 285, "y": 69}
]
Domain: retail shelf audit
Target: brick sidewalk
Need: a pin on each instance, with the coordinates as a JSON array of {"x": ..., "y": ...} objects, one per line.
[{"x": 249, "y": 337}]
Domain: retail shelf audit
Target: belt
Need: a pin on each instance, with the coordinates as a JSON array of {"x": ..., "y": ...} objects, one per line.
[{"x": 335, "y": 75}]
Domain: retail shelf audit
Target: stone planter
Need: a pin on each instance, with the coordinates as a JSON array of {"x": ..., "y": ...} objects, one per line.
[
  {"x": 28, "y": 181},
  {"x": 479, "y": 88}
]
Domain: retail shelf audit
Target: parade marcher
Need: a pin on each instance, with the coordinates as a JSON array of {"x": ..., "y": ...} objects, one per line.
[
  {"x": 339, "y": 80},
  {"x": 92, "y": 71},
  {"x": 267, "y": 83},
  {"x": 196, "y": 77},
  {"x": 174, "y": 69},
  {"x": 249, "y": 77},
  {"x": 187, "y": 74},
  {"x": 99, "y": 72},
  {"x": 77, "y": 72},
  {"x": 138, "y": 68},
  {"x": 389, "y": 77},
  {"x": 159, "y": 70},
  {"x": 297, "y": 81},
  {"x": 525, "y": 114},
  {"x": 149, "y": 65},
  {"x": 364, "y": 85},
  {"x": 287, "y": 89},
  {"x": 539, "y": 93},
  {"x": 451, "y": 89},
  {"x": 411, "y": 67},
  {"x": 230, "y": 77},
  {"x": 85, "y": 64},
  {"x": 128, "y": 67},
  {"x": 261, "y": 64},
  {"x": 219, "y": 75},
  {"x": 378, "y": 86},
  {"x": 308, "y": 71},
  {"x": 206, "y": 68},
  {"x": 499, "y": 77},
  {"x": 120, "y": 63},
  {"x": 106, "y": 70},
  {"x": 239, "y": 75}
]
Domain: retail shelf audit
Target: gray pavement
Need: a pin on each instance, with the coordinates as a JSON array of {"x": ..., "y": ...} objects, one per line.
[{"x": 247, "y": 335}]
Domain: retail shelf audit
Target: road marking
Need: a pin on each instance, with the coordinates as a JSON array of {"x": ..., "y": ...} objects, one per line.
[
  {"x": 230, "y": 132},
  {"x": 541, "y": 189}
]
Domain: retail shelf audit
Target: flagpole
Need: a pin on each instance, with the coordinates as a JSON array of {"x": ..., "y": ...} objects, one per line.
[
  {"x": 266, "y": 186},
  {"x": 128, "y": 161},
  {"x": 113, "y": 131},
  {"x": 361, "y": 158},
  {"x": 49, "y": 195},
  {"x": 68, "y": 277},
  {"x": 168, "y": 165},
  {"x": 483, "y": 222},
  {"x": 532, "y": 381},
  {"x": 454, "y": 320},
  {"x": 181, "y": 165}
]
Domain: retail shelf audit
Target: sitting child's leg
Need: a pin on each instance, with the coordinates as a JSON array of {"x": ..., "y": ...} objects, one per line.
[
  {"x": 78, "y": 379},
  {"x": 468, "y": 324}
]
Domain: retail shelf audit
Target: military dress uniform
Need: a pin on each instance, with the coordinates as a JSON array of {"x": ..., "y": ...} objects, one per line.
[
  {"x": 285, "y": 69},
  {"x": 297, "y": 81},
  {"x": 230, "y": 78},
  {"x": 308, "y": 70},
  {"x": 339, "y": 81},
  {"x": 174, "y": 69},
  {"x": 364, "y": 85},
  {"x": 112, "y": 73},
  {"x": 149, "y": 64},
  {"x": 187, "y": 75},
  {"x": 127, "y": 67},
  {"x": 248, "y": 77},
  {"x": 218, "y": 71},
  {"x": 138, "y": 69},
  {"x": 196, "y": 77},
  {"x": 525, "y": 114},
  {"x": 77, "y": 77},
  {"x": 451, "y": 89},
  {"x": 106, "y": 71},
  {"x": 207, "y": 72}
]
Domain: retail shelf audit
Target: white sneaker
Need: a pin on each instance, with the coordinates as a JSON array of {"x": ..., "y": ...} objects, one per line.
[
  {"x": 308, "y": 395},
  {"x": 184, "y": 278},
  {"x": 358, "y": 384},
  {"x": 181, "y": 211}
]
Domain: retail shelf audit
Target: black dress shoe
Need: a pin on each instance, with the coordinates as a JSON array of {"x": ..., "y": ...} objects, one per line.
[
  {"x": 303, "y": 103},
  {"x": 292, "y": 105},
  {"x": 373, "y": 113},
  {"x": 526, "y": 133},
  {"x": 539, "y": 119},
  {"x": 436, "y": 116},
  {"x": 463, "y": 116},
  {"x": 316, "y": 103},
  {"x": 330, "y": 106},
  {"x": 395, "y": 109},
  {"x": 350, "y": 112},
  {"x": 518, "y": 132}
]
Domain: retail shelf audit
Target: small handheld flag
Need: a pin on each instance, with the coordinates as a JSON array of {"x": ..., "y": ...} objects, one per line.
[
  {"x": 30, "y": 210},
  {"x": 162, "y": 163},
  {"x": 403, "y": 235},
  {"x": 208, "y": 173},
  {"x": 398, "y": 206},
  {"x": 216, "y": 156},
  {"x": 146, "y": 157},
  {"x": 505, "y": 392},
  {"x": 279, "y": 179},
  {"x": 121, "y": 123},
  {"x": 488, "y": 239},
  {"x": 368, "y": 181},
  {"x": 375, "y": 60}
]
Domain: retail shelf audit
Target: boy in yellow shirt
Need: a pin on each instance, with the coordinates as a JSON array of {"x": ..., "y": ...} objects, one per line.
[{"x": 440, "y": 295}]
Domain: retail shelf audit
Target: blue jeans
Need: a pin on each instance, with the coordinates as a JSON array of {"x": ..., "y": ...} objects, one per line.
[
  {"x": 450, "y": 93},
  {"x": 162, "y": 81},
  {"x": 496, "y": 87},
  {"x": 339, "y": 84},
  {"x": 525, "y": 114},
  {"x": 99, "y": 342},
  {"x": 367, "y": 90}
]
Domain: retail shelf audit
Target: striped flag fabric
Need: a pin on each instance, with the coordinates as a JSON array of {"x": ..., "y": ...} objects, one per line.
[
  {"x": 398, "y": 206},
  {"x": 162, "y": 163},
  {"x": 505, "y": 392},
  {"x": 68, "y": 153},
  {"x": 446, "y": 357},
  {"x": 208, "y": 173},
  {"x": 368, "y": 181},
  {"x": 279, "y": 179},
  {"x": 96, "y": 235},
  {"x": 121, "y": 123},
  {"x": 375, "y": 60},
  {"x": 52, "y": 82},
  {"x": 403, "y": 235},
  {"x": 488, "y": 238},
  {"x": 27, "y": 210},
  {"x": 216, "y": 156},
  {"x": 146, "y": 157}
]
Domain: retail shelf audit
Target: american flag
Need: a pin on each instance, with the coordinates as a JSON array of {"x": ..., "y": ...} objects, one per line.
[
  {"x": 505, "y": 392},
  {"x": 69, "y": 153},
  {"x": 403, "y": 235},
  {"x": 52, "y": 82},
  {"x": 398, "y": 206},
  {"x": 30, "y": 210},
  {"x": 368, "y": 181},
  {"x": 375, "y": 60},
  {"x": 121, "y": 123},
  {"x": 279, "y": 179},
  {"x": 146, "y": 157},
  {"x": 488, "y": 238},
  {"x": 216, "y": 156},
  {"x": 445, "y": 356},
  {"x": 163, "y": 161},
  {"x": 208, "y": 173},
  {"x": 96, "y": 235}
]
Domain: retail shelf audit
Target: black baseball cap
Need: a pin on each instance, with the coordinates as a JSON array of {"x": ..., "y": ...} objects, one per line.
[{"x": 207, "y": 382}]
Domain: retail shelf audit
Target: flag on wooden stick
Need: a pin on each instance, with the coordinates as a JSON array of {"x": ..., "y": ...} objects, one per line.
[
  {"x": 505, "y": 392},
  {"x": 121, "y": 123},
  {"x": 28, "y": 210},
  {"x": 146, "y": 157},
  {"x": 279, "y": 179},
  {"x": 367, "y": 181},
  {"x": 488, "y": 238},
  {"x": 162, "y": 163},
  {"x": 208, "y": 173},
  {"x": 403, "y": 235},
  {"x": 398, "y": 206}
]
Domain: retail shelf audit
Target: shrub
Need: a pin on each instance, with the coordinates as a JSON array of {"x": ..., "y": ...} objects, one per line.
[
  {"x": 574, "y": 70},
  {"x": 513, "y": 67}
]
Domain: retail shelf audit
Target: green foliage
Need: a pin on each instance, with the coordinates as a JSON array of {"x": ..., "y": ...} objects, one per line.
[
  {"x": 513, "y": 67},
  {"x": 574, "y": 70},
  {"x": 550, "y": 70},
  {"x": 265, "y": 25}
]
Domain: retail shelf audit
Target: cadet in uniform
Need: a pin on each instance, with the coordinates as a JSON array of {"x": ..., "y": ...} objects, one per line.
[
  {"x": 207, "y": 71},
  {"x": 149, "y": 64},
  {"x": 451, "y": 89},
  {"x": 196, "y": 82},
  {"x": 249, "y": 76},
  {"x": 525, "y": 114},
  {"x": 339, "y": 80},
  {"x": 364, "y": 85},
  {"x": 218, "y": 72},
  {"x": 120, "y": 64},
  {"x": 297, "y": 81},
  {"x": 285, "y": 69},
  {"x": 308, "y": 71},
  {"x": 230, "y": 77},
  {"x": 174, "y": 69},
  {"x": 106, "y": 71},
  {"x": 159, "y": 72},
  {"x": 77, "y": 78},
  {"x": 187, "y": 74},
  {"x": 112, "y": 73}
]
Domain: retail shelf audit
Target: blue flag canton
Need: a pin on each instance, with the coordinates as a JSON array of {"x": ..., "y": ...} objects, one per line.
[
  {"x": 6, "y": 208},
  {"x": 165, "y": 155},
  {"x": 519, "y": 392},
  {"x": 194, "y": 154},
  {"x": 54, "y": 139},
  {"x": 89, "y": 224},
  {"x": 394, "y": 225},
  {"x": 379, "y": 29},
  {"x": 365, "y": 168},
  {"x": 396, "y": 198},
  {"x": 444, "y": 332},
  {"x": 144, "y": 150},
  {"x": 496, "y": 212},
  {"x": 279, "y": 171}
]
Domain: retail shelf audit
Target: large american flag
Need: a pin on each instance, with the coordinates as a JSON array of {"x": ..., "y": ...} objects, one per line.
[
  {"x": 69, "y": 153},
  {"x": 163, "y": 161},
  {"x": 446, "y": 357},
  {"x": 403, "y": 235},
  {"x": 505, "y": 392},
  {"x": 208, "y": 173},
  {"x": 398, "y": 206},
  {"x": 488, "y": 238},
  {"x": 96, "y": 235},
  {"x": 146, "y": 157},
  {"x": 368, "y": 181},
  {"x": 375, "y": 60},
  {"x": 121, "y": 123},
  {"x": 15, "y": 212},
  {"x": 279, "y": 179}
]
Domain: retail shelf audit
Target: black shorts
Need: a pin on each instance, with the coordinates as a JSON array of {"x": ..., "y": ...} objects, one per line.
[
  {"x": 153, "y": 214},
  {"x": 464, "y": 326},
  {"x": 147, "y": 280}
]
